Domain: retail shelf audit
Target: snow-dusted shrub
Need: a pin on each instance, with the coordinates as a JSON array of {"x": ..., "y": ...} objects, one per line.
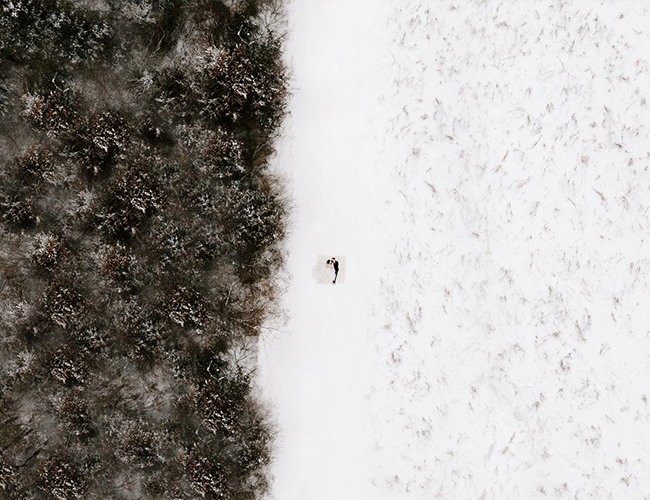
[
  {"x": 73, "y": 412},
  {"x": 121, "y": 267},
  {"x": 98, "y": 139},
  {"x": 17, "y": 213},
  {"x": 235, "y": 88},
  {"x": 53, "y": 35},
  {"x": 130, "y": 198},
  {"x": 36, "y": 164},
  {"x": 49, "y": 111},
  {"x": 61, "y": 480},
  {"x": 50, "y": 250},
  {"x": 68, "y": 367},
  {"x": 61, "y": 304},
  {"x": 185, "y": 307}
]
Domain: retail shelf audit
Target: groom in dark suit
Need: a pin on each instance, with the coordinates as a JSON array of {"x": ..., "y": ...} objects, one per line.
[{"x": 335, "y": 263}]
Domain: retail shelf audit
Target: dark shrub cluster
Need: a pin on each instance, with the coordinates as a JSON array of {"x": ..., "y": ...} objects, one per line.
[{"x": 140, "y": 232}]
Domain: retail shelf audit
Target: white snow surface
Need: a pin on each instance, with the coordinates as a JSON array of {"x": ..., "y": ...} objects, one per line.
[{"x": 484, "y": 167}]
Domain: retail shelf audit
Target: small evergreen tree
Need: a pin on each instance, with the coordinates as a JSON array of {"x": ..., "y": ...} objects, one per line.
[{"x": 139, "y": 233}]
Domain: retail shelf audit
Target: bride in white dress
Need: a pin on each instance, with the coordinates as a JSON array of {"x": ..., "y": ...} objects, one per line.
[{"x": 323, "y": 272}]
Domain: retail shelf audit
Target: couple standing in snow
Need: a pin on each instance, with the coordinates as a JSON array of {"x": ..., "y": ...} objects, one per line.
[
  {"x": 333, "y": 264},
  {"x": 328, "y": 270}
]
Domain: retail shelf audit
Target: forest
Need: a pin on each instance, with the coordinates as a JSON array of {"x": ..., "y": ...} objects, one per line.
[{"x": 141, "y": 234}]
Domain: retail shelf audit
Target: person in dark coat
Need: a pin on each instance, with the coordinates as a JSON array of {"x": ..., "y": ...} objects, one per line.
[{"x": 335, "y": 263}]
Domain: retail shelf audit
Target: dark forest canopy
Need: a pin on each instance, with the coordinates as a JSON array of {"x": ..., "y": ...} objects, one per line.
[{"x": 140, "y": 235}]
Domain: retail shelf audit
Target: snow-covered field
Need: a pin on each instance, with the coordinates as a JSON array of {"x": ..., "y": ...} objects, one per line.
[{"x": 484, "y": 168}]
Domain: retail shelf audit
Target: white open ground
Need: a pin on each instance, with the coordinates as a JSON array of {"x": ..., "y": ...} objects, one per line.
[{"x": 483, "y": 166}]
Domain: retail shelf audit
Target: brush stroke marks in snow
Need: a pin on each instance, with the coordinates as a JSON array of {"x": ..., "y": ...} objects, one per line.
[{"x": 512, "y": 340}]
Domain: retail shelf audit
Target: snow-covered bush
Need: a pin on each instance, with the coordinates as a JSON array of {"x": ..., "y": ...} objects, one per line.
[
  {"x": 129, "y": 200},
  {"x": 50, "y": 111},
  {"x": 98, "y": 139},
  {"x": 60, "y": 480}
]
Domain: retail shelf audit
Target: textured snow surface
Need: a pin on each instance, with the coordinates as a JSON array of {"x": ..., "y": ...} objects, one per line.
[{"x": 484, "y": 166}]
